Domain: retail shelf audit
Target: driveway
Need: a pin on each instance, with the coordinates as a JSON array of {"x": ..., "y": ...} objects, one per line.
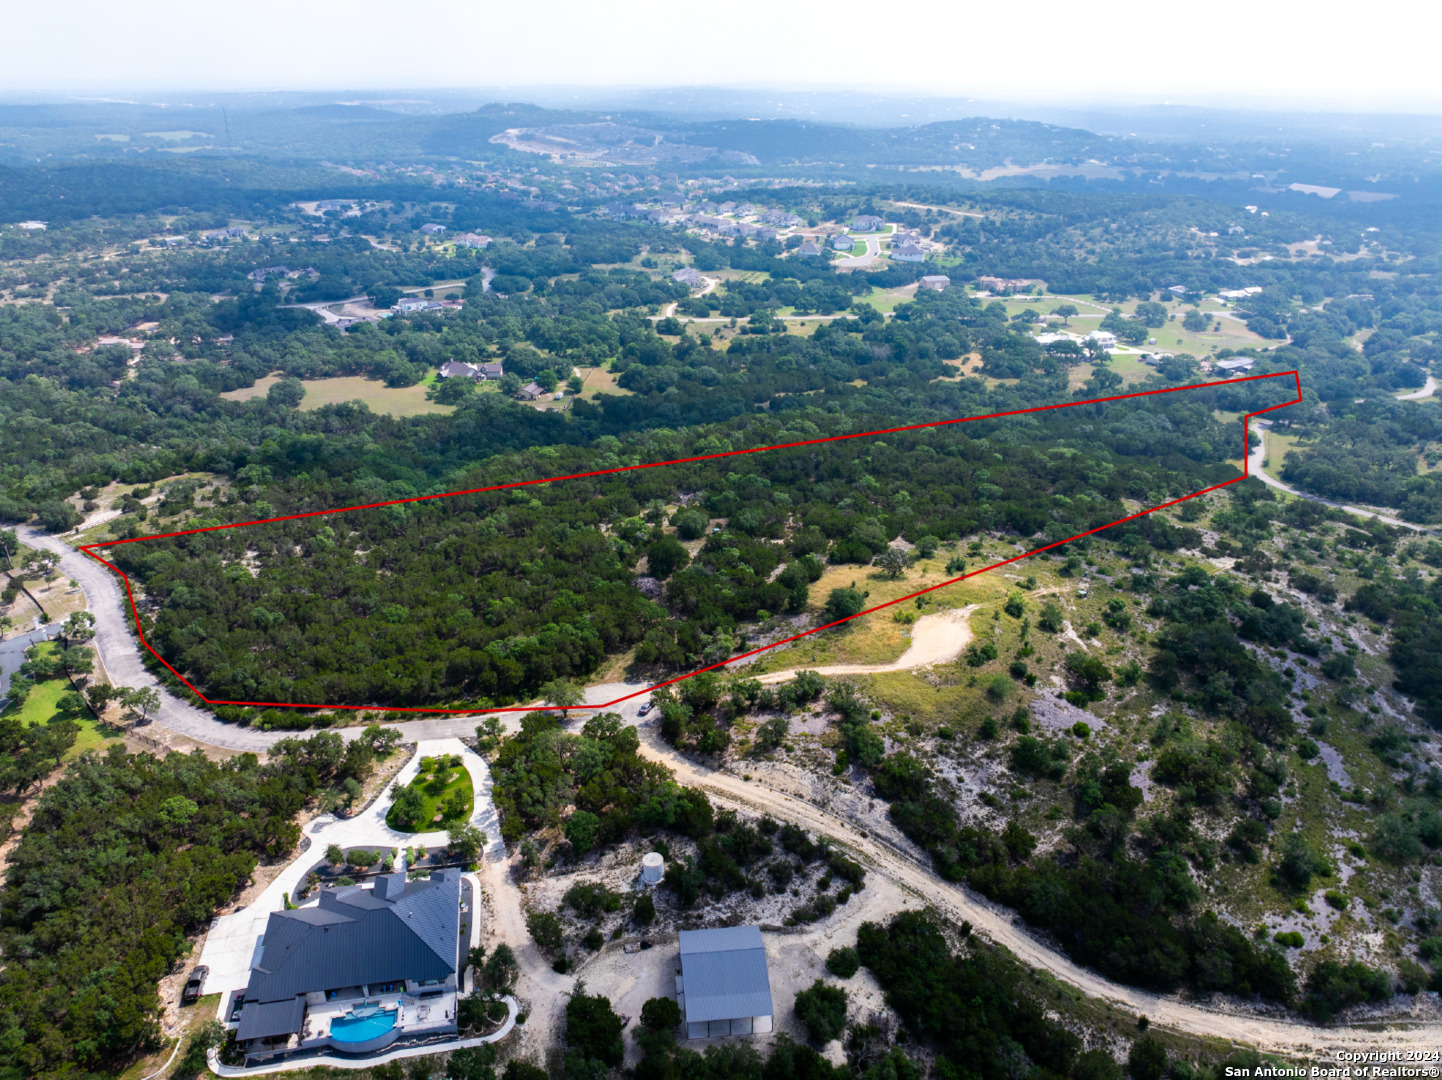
[{"x": 231, "y": 940}]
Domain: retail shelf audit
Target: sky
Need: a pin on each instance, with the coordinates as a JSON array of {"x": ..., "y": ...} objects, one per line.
[{"x": 1259, "y": 53}]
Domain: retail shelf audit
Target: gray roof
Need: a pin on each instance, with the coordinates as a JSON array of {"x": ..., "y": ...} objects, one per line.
[
  {"x": 265, "y": 1020},
  {"x": 359, "y": 935},
  {"x": 724, "y": 973}
]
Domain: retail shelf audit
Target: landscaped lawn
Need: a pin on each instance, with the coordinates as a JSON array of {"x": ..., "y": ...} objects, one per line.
[
  {"x": 41, "y": 704},
  {"x": 439, "y": 796}
]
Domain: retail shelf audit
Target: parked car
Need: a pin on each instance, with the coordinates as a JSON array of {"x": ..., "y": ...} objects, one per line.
[
  {"x": 191, "y": 994},
  {"x": 646, "y": 708}
]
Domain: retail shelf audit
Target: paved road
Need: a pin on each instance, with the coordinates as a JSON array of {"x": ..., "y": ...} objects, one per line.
[
  {"x": 1417, "y": 395},
  {"x": 873, "y": 249},
  {"x": 1254, "y": 467},
  {"x": 885, "y": 855}
]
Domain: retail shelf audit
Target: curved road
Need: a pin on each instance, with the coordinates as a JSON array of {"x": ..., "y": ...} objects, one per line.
[
  {"x": 1417, "y": 395},
  {"x": 1254, "y": 467},
  {"x": 888, "y": 855}
]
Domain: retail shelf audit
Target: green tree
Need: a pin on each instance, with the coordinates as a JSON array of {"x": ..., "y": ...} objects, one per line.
[
  {"x": 1147, "y": 1059},
  {"x": 822, "y": 1009},
  {"x": 893, "y": 562},
  {"x": 288, "y": 393},
  {"x": 1152, "y": 313},
  {"x": 844, "y": 603},
  {"x": 665, "y": 557},
  {"x": 545, "y": 929},
  {"x": 466, "y": 841},
  {"x": 1051, "y": 618},
  {"x": 582, "y": 830},
  {"x": 593, "y": 1029},
  {"x": 1195, "y": 321},
  {"x": 843, "y": 962},
  {"x": 452, "y": 391},
  {"x": 661, "y": 1014}
]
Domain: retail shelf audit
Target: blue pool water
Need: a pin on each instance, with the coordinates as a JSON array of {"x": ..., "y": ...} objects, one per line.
[{"x": 362, "y": 1025}]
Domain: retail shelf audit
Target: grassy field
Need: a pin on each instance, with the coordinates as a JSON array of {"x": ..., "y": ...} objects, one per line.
[
  {"x": 878, "y": 638},
  {"x": 886, "y": 299},
  {"x": 391, "y": 400},
  {"x": 437, "y": 782}
]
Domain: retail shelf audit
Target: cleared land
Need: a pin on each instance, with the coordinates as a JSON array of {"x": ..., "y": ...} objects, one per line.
[{"x": 391, "y": 400}]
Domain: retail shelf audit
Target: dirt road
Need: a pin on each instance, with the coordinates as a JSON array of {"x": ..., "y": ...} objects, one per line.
[
  {"x": 890, "y": 856},
  {"x": 935, "y": 639}
]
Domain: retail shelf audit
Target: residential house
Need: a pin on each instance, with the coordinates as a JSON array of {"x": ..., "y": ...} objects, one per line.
[
  {"x": 908, "y": 252},
  {"x": 260, "y": 273},
  {"x": 357, "y": 971},
  {"x": 935, "y": 281},
  {"x": 453, "y": 369},
  {"x": 416, "y": 303},
  {"x": 1177, "y": 290},
  {"x": 809, "y": 249},
  {"x": 531, "y": 392},
  {"x": 1236, "y": 364},
  {"x": 867, "y": 223},
  {"x": 474, "y": 240},
  {"x": 842, "y": 242},
  {"x": 1104, "y": 338},
  {"x": 724, "y": 987},
  {"x": 781, "y": 219},
  {"x": 235, "y": 232},
  {"x": 430, "y": 228},
  {"x": 335, "y": 204},
  {"x": 689, "y": 276}
]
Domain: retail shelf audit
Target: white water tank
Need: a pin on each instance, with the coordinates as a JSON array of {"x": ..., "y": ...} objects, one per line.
[{"x": 653, "y": 867}]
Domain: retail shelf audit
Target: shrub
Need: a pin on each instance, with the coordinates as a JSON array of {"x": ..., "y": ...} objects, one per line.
[
  {"x": 1336, "y": 899},
  {"x": 1147, "y": 1059},
  {"x": 822, "y": 1009},
  {"x": 1292, "y": 939},
  {"x": 593, "y": 1029},
  {"x": 661, "y": 1014},
  {"x": 843, "y": 962},
  {"x": 644, "y": 910},
  {"x": 545, "y": 928}
]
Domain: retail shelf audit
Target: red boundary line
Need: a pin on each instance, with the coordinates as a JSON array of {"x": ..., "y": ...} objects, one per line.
[{"x": 89, "y": 549}]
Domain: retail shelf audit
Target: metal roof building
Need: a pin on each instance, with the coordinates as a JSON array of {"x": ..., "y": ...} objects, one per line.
[
  {"x": 724, "y": 987},
  {"x": 357, "y": 942}
]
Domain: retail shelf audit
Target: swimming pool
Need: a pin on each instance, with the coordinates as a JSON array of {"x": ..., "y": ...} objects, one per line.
[{"x": 362, "y": 1025}]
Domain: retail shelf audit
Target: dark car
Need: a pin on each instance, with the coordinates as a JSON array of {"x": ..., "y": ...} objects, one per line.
[
  {"x": 191, "y": 994},
  {"x": 646, "y": 708}
]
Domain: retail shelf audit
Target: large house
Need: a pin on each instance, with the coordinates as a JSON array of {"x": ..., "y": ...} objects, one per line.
[
  {"x": 724, "y": 987},
  {"x": 474, "y": 240},
  {"x": 908, "y": 252},
  {"x": 488, "y": 372},
  {"x": 689, "y": 276},
  {"x": 867, "y": 222},
  {"x": 363, "y": 968},
  {"x": 842, "y": 242},
  {"x": 809, "y": 249}
]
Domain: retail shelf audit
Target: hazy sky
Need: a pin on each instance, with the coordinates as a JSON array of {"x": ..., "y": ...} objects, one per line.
[{"x": 1259, "y": 52}]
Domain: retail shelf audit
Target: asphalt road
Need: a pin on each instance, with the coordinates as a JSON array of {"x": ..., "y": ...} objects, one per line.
[{"x": 1254, "y": 467}]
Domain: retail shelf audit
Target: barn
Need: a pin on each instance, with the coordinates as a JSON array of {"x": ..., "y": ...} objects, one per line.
[{"x": 724, "y": 987}]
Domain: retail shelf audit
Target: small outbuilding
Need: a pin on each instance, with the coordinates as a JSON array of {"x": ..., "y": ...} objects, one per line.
[
  {"x": 724, "y": 987},
  {"x": 653, "y": 868},
  {"x": 938, "y": 282}
]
